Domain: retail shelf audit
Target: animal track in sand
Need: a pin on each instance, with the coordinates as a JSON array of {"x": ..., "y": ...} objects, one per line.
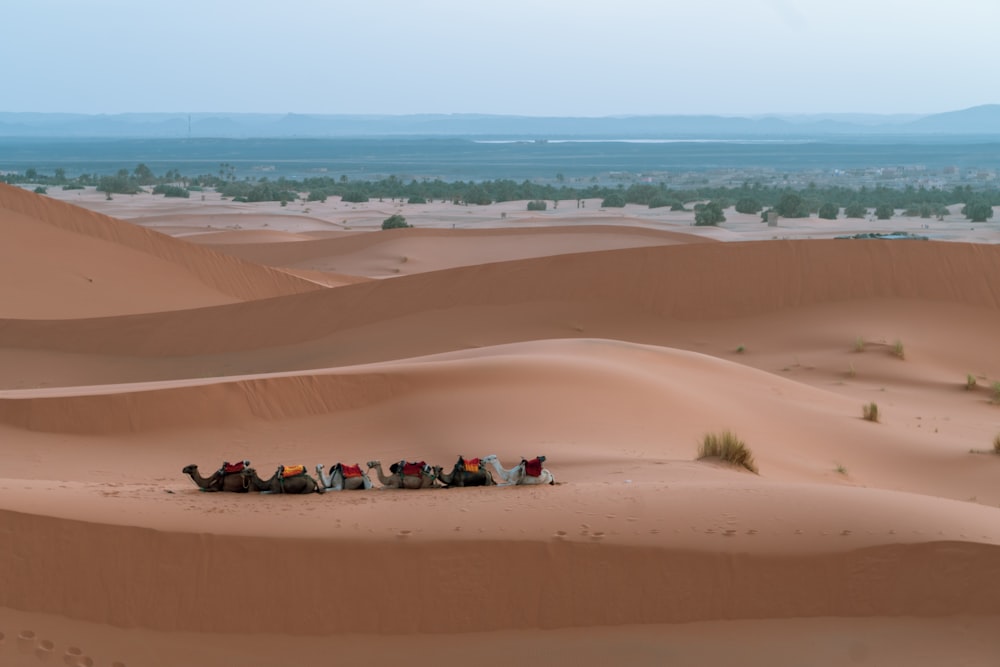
[
  {"x": 560, "y": 535},
  {"x": 28, "y": 643}
]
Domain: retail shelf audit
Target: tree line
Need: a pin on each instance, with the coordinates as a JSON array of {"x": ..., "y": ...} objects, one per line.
[{"x": 825, "y": 201}]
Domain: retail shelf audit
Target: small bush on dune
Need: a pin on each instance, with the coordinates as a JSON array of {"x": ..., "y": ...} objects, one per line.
[
  {"x": 870, "y": 411},
  {"x": 970, "y": 382},
  {"x": 897, "y": 349},
  {"x": 996, "y": 392},
  {"x": 996, "y": 444},
  {"x": 859, "y": 344},
  {"x": 729, "y": 448}
]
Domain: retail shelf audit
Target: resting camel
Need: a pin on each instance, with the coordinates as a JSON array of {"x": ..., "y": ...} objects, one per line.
[
  {"x": 276, "y": 484},
  {"x": 233, "y": 483},
  {"x": 518, "y": 474},
  {"x": 459, "y": 476},
  {"x": 336, "y": 481},
  {"x": 397, "y": 480}
]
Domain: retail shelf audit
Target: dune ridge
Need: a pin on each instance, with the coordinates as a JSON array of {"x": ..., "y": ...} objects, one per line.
[{"x": 238, "y": 278}]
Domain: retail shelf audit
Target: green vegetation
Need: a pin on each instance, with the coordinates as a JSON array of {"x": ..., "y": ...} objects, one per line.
[
  {"x": 614, "y": 200},
  {"x": 884, "y": 211},
  {"x": 995, "y": 388},
  {"x": 729, "y": 448},
  {"x": 970, "y": 382},
  {"x": 855, "y": 210},
  {"x": 416, "y": 199},
  {"x": 171, "y": 191},
  {"x": 979, "y": 210},
  {"x": 41, "y": 190},
  {"x": 859, "y": 344},
  {"x": 748, "y": 205},
  {"x": 791, "y": 205},
  {"x": 897, "y": 349},
  {"x": 537, "y": 205},
  {"x": 395, "y": 221},
  {"x": 354, "y": 197},
  {"x": 740, "y": 349},
  {"x": 870, "y": 411},
  {"x": 828, "y": 211},
  {"x": 709, "y": 214}
]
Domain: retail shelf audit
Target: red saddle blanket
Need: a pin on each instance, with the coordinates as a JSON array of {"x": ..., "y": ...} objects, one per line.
[
  {"x": 350, "y": 471},
  {"x": 292, "y": 471},
  {"x": 471, "y": 465},
  {"x": 232, "y": 468},
  {"x": 414, "y": 468},
  {"x": 533, "y": 468}
]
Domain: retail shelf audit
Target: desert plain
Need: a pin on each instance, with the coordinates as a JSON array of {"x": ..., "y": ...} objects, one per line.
[{"x": 142, "y": 334}]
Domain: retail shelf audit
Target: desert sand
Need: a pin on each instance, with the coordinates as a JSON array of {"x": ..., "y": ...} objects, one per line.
[{"x": 140, "y": 335}]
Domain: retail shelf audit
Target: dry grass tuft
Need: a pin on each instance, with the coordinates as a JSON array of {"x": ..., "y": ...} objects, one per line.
[
  {"x": 859, "y": 344},
  {"x": 970, "y": 382},
  {"x": 729, "y": 448},
  {"x": 897, "y": 349},
  {"x": 996, "y": 444},
  {"x": 870, "y": 411}
]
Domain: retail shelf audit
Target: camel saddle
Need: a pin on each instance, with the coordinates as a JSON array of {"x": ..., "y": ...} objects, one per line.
[
  {"x": 533, "y": 468},
  {"x": 469, "y": 465},
  {"x": 411, "y": 468},
  {"x": 291, "y": 471},
  {"x": 233, "y": 468},
  {"x": 350, "y": 471}
]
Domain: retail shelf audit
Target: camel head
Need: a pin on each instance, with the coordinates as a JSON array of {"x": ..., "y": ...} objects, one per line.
[
  {"x": 189, "y": 469},
  {"x": 372, "y": 464},
  {"x": 319, "y": 469}
]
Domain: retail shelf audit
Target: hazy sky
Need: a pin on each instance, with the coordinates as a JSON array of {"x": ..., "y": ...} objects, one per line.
[{"x": 526, "y": 57}]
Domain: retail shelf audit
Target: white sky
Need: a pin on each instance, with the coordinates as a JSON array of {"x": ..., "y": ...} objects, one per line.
[{"x": 525, "y": 57}]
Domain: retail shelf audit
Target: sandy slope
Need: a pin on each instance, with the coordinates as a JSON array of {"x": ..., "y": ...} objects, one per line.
[{"x": 610, "y": 349}]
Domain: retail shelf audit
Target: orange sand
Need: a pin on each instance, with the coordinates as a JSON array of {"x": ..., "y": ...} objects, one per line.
[{"x": 197, "y": 331}]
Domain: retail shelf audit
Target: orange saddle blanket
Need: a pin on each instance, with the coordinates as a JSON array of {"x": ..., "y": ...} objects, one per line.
[
  {"x": 412, "y": 468},
  {"x": 471, "y": 465},
  {"x": 350, "y": 471},
  {"x": 292, "y": 471}
]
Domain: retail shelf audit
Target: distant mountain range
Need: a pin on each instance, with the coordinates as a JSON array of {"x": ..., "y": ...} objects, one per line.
[{"x": 980, "y": 120}]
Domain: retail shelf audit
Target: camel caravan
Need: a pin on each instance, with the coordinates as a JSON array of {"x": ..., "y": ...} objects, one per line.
[{"x": 240, "y": 477}]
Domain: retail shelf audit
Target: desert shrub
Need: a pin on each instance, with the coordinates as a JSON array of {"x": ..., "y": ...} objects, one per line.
[
  {"x": 884, "y": 211},
  {"x": 855, "y": 210},
  {"x": 662, "y": 201},
  {"x": 996, "y": 392},
  {"x": 870, "y": 411},
  {"x": 171, "y": 191},
  {"x": 859, "y": 344},
  {"x": 41, "y": 190},
  {"x": 978, "y": 211},
  {"x": 415, "y": 199},
  {"x": 828, "y": 211},
  {"x": 537, "y": 205},
  {"x": 970, "y": 382},
  {"x": 677, "y": 206},
  {"x": 996, "y": 444},
  {"x": 72, "y": 186},
  {"x": 897, "y": 349},
  {"x": 395, "y": 221},
  {"x": 727, "y": 447},
  {"x": 355, "y": 197},
  {"x": 317, "y": 195},
  {"x": 614, "y": 200},
  {"x": 709, "y": 214},
  {"x": 748, "y": 205}
]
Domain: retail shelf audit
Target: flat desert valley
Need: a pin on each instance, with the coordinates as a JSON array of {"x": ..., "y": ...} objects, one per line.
[{"x": 143, "y": 334}]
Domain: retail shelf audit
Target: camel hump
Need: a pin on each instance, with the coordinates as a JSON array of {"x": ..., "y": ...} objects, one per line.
[
  {"x": 533, "y": 468},
  {"x": 469, "y": 465}
]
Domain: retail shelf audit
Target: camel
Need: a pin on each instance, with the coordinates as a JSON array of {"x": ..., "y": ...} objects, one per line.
[
  {"x": 398, "y": 480},
  {"x": 233, "y": 483},
  {"x": 336, "y": 481},
  {"x": 459, "y": 476},
  {"x": 518, "y": 474},
  {"x": 276, "y": 484}
]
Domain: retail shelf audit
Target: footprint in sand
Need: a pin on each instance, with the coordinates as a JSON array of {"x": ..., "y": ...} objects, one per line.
[
  {"x": 599, "y": 535},
  {"x": 72, "y": 655},
  {"x": 403, "y": 533},
  {"x": 752, "y": 531},
  {"x": 560, "y": 535},
  {"x": 729, "y": 532},
  {"x": 26, "y": 641},
  {"x": 846, "y": 532},
  {"x": 44, "y": 649}
]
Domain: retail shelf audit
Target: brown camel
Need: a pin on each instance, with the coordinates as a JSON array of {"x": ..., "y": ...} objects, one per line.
[
  {"x": 459, "y": 476},
  {"x": 398, "y": 480},
  {"x": 276, "y": 484},
  {"x": 233, "y": 483}
]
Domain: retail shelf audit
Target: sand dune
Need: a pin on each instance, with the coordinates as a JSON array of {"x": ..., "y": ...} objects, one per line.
[{"x": 608, "y": 349}]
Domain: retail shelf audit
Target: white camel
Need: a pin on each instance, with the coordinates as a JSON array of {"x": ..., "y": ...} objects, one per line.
[
  {"x": 336, "y": 481},
  {"x": 517, "y": 474}
]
